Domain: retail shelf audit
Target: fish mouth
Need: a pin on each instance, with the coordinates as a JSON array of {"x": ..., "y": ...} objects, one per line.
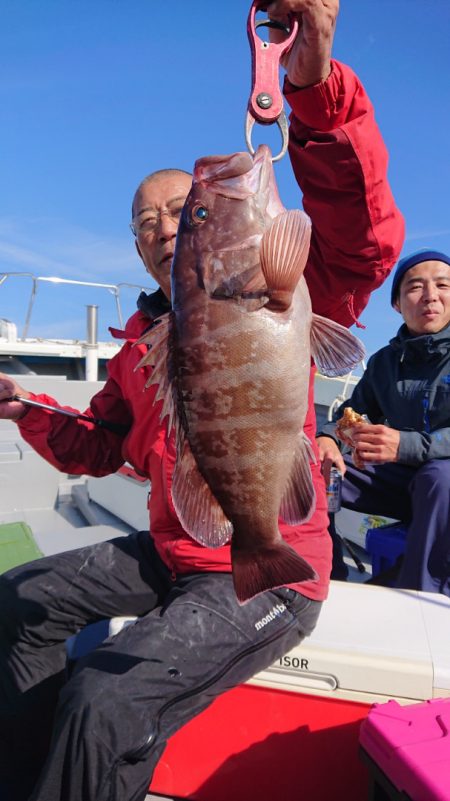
[
  {"x": 262, "y": 155},
  {"x": 237, "y": 175},
  {"x": 262, "y": 161},
  {"x": 240, "y": 176}
]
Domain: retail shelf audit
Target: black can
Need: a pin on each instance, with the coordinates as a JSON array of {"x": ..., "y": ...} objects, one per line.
[{"x": 334, "y": 490}]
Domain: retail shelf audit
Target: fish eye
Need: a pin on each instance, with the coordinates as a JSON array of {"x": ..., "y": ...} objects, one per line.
[{"x": 199, "y": 213}]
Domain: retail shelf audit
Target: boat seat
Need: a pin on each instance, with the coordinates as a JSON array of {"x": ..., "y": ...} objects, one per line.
[{"x": 385, "y": 544}]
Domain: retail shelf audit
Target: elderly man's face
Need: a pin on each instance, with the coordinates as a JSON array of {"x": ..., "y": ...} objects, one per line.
[
  {"x": 424, "y": 297},
  {"x": 157, "y": 208}
]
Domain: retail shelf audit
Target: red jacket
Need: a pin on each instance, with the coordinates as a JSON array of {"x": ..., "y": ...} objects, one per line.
[{"x": 340, "y": 163}]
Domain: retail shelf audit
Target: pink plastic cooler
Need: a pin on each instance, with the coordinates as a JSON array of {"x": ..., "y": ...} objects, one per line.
[{"x": 411, "y": 746}]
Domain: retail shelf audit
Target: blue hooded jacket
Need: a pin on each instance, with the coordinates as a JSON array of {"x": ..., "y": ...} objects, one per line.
[{"x": 407, "y": 386}]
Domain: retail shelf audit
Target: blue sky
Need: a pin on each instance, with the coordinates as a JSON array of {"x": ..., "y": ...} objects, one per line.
[{"x": 95, "y": 95}]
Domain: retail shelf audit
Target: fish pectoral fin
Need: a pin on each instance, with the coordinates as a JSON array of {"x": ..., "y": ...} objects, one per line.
[
  {"x": 199, "y": 512},
  {"x": 267, "y": 568},
  {"x": 335, "y": 350},
  {"x": 157, "y": 357},
  {"x": 283, "y": 253},
  {"x": 299, "y": 499}
]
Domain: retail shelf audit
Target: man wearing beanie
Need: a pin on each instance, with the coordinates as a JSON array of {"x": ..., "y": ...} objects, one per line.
[{"x": 400, "y": 461}]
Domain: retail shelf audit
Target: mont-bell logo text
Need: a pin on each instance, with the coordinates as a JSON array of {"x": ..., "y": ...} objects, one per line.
[{"x": 272, "y": 615}]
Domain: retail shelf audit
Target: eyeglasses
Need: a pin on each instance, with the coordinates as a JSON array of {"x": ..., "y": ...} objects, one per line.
[{"x": 150, "y": 220}]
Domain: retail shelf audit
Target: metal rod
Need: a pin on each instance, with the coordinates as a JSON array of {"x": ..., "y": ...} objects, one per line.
[
  {"x": 361, "y": 567},
  {"x": 91, "y": 356},
  {"x": 116, "y": 428},
  {"x": 30, "y": 308},
  {"x": 37, "y": 279},
  {"x": 92, "y": 319},
  {"x": 118, "y": 307},
  {"x": 55, "y": 280}
]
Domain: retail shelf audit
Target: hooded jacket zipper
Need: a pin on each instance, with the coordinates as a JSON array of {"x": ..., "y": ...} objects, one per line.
[{"x": 426, "y": 407}]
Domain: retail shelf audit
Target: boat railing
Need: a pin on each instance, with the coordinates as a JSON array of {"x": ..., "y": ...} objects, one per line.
[
  {"x": 332, "y": 396},
  {"x": 37, "y": 280}
]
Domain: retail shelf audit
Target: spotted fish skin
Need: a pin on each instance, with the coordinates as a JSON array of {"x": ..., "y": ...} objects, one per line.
[{"x": 234, "y": 365}]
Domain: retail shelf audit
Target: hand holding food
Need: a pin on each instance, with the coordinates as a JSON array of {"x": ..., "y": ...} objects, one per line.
[{"x": 370, "y": 444}]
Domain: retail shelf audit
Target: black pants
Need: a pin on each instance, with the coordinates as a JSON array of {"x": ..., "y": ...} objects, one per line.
[
  {"x": 420, "y": 497},
  {"x": 99, "y": 735}
]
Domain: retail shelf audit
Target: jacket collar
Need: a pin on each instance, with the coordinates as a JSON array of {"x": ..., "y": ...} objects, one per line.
[
  {"x": 153, "y": 305},
  {"x": 149, "y": 308},
  {"x": 423, "y": 347}
]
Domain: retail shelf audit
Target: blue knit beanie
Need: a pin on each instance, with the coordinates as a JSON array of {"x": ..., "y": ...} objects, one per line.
[{"x": 407, "y": 262}]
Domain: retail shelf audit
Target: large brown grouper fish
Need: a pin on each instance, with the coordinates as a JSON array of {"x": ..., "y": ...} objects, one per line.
[{"x": 232, "y": 361}]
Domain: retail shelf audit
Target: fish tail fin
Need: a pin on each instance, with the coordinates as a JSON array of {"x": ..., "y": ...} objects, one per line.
[
  {"x": 255, "y": 572},
  {"x": 283, "y": 254}
]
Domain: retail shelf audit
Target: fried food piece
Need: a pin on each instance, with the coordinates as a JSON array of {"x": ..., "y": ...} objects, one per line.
[
  {"x": 346, "y": 424},
  {"x": 345, "y": 428}
]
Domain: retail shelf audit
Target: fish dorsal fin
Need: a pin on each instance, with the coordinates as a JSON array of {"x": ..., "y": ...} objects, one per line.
[
  {"x": 199, "y": 512},
  {"x": 299, "y": 498},
  {"x": 283, "y": 253},
  {"x": 157, "y": 356},
  {"x": 335, "y": 350}
]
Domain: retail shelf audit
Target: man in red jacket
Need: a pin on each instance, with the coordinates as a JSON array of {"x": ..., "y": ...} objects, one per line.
[{"x": 192, "y": 641}]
